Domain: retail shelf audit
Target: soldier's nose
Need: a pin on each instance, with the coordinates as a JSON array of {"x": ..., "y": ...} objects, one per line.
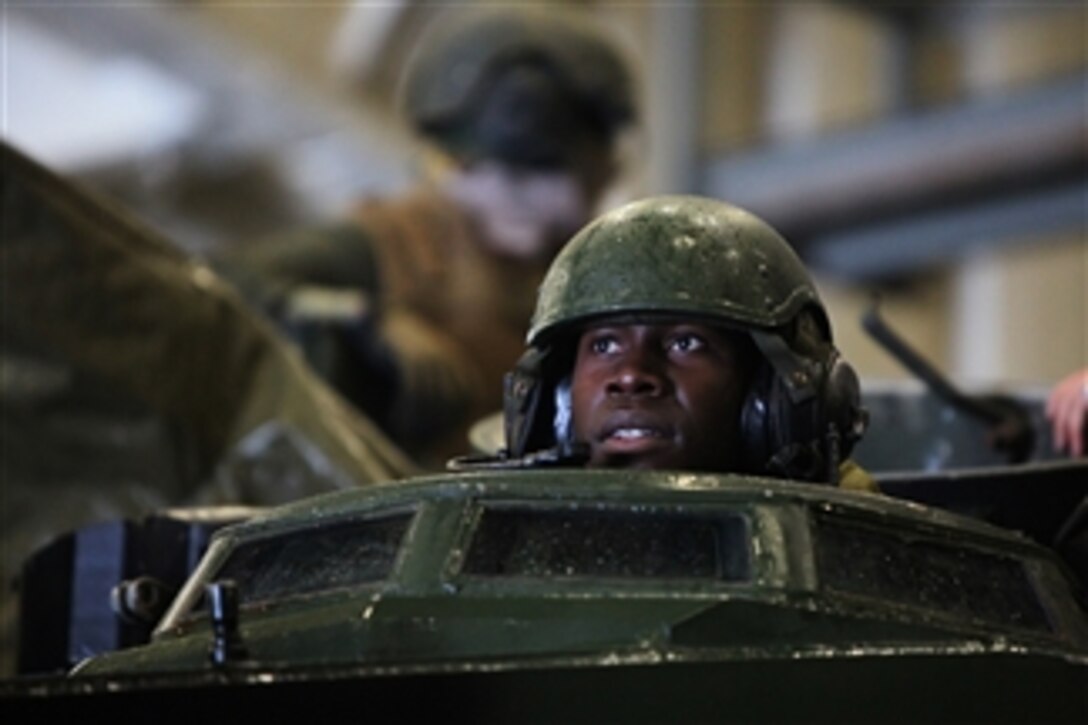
[{"x": 637, "y": 373}]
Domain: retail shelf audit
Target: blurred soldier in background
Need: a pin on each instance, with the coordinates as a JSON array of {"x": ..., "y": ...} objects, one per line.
[{"x": 420, "y": 301}]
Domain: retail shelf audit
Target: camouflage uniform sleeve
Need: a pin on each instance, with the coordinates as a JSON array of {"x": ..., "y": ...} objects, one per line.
[
  {"x": 267, "y": 271},
  {"x": 322, "y": 286},
  {"x": 437, "y": 386},
  {"x": 391, "y": 361}
]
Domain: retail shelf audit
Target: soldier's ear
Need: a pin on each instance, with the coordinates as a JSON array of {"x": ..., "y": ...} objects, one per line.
[{"x": 521, "y": 399}]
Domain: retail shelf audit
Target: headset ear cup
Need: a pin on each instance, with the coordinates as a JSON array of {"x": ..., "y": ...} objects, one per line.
[
  {"x": 755, "y": 425},
  {"x": 786, "y": 438},
  {"x": 803, "y": 437},
  {"x": 521, "y": 402},
  {"x": 842, "y": 407}
]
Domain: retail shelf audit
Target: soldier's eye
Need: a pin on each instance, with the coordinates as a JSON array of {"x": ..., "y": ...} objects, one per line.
[
  {"x": 688, "y": 342},
  {"x": 603, "y": 345}
]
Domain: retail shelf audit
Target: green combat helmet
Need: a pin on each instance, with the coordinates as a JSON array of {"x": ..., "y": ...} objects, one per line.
[
  {"x": 696, "y": 258},
  {"x": 527, "y": 88}
]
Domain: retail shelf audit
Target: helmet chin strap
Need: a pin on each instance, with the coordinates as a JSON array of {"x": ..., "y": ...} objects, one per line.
[{"x": 798, "y": 373}]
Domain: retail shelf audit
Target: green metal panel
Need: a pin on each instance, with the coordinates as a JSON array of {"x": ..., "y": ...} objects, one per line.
[{"x": 914, "y": 580}]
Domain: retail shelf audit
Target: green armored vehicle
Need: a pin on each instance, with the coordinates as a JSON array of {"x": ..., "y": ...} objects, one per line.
[{"x": 626, "y": 594}]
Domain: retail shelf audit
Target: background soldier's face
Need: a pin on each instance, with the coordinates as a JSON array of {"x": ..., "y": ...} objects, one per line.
[{"x": 659, "y": 396}]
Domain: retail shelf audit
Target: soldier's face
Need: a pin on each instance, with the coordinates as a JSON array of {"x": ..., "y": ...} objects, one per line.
[
  {"x": 524, "y": 214},
  {"x": 659, "y": 396}
]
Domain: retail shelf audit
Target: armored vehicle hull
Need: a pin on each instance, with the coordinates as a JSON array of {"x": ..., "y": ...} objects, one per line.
[{"x": 568, "y": 594}]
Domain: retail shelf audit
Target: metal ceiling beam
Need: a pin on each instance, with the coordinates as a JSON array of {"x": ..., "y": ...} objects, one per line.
[
  {"x": 915, "y": 242},
  {"x": 920, "y": 172}
]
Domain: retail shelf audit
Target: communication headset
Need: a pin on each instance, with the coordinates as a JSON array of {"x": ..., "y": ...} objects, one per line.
[{"x": 803, "y": 413}]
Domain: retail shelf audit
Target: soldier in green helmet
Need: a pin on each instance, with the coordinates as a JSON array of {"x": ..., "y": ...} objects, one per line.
[
  {"x": 523, "y": 110},
  {"x": 682, "y": 332}
]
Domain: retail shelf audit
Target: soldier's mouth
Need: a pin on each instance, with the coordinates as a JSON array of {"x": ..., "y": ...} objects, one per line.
[
  {"x": 634, "y": 433},
  {"x": 634, "y": 438}
]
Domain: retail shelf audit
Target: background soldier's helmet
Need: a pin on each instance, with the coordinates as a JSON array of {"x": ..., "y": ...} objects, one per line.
[
  {"x": 695, "y": 258},
  {"x": 524, "y": 87}
]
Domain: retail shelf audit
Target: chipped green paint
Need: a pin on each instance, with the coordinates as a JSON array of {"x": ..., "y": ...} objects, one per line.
[{"x": 793, "y": 600}]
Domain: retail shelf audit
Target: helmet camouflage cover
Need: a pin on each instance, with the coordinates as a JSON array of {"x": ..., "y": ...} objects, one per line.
[{"x": 676, "y": 255}]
